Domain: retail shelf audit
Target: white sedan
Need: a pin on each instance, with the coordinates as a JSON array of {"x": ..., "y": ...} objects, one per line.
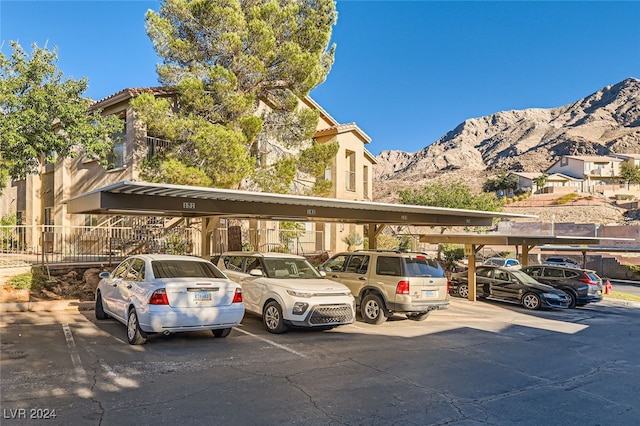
[{"x": 155, "y": 293}]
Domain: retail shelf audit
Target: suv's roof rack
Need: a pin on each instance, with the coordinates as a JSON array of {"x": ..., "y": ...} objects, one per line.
[{"x": 392, "y": 251}]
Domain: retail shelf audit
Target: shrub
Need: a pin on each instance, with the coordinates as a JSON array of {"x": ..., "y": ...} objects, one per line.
[
  {"x": 387, "y": 242},
  {"x": 451, "y": 253},
  {"x": 634, "y": 269},
  {"x": 353, "y": 239},
  {"x": 22, "y": 281},
  {"x": 567, "y": 198},
  {"x": 624, "y": 197},
  {"x": 177, "y": 243}
]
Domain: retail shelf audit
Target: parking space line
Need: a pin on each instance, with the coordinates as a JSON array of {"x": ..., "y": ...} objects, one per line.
[
  {"x": 81, "y": 375},
  {"x": 271, "y": 342}
]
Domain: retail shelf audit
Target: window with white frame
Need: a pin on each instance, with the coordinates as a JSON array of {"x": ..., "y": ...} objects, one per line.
[
  {"x": 118, "y": 157},
  {"x": 365, "y": 181},
  {"x": 350, "y": 156}
]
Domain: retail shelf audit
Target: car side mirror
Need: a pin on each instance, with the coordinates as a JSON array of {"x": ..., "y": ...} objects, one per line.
[
  {"x": 323, "y": 273},
  {"x": 255, "y": 272}
]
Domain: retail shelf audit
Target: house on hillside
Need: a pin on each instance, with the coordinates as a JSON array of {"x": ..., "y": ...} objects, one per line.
[
  {"x": 633, "y": 159},
  {"x": 555, "y": 182},
  {"x": 598, "y": 173},
  {"x": 37, "y": 201},
  {"x": 526, "y": 181}
]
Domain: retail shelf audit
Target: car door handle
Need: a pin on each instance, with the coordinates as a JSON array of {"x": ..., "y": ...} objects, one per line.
[
  {"x": 129, "y": 286},
  {"x": 335, "y": 276},
  {"x": 362, "y": 278}
]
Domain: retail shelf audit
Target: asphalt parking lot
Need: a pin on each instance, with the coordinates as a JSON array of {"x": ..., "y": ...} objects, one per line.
[{"x": 476, "y": 363}]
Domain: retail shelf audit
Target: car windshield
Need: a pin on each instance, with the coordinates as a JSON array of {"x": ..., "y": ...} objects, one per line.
[
  {"x": 422, "y": 266},
  {"x": 290, "y": 268},
  {"x": 184, "y": 269},
  {"x": 524, "y": 277}
]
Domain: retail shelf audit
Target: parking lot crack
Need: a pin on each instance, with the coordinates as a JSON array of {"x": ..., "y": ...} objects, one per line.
[{"x": 95, "y": 367}]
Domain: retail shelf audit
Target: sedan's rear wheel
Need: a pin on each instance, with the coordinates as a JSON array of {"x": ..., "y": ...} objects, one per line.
[
  {"x": 531, "y": 301},
  {"x": 221, "y": 332},
  {"x": 372, "y": 309},
  {"x": 135, "y": 335},
  {"x": 100, "y": 313},
  {"x": 463, "y": 290},
  {"x": 272, "y": 318}
]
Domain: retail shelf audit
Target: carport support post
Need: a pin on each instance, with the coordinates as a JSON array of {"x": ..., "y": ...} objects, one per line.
[
  {"x": 208, "y": 225},
  {"x": 525, "y": 254},
  {"x": 372, "y": 234},
  {"x": 470, "y": 250}
]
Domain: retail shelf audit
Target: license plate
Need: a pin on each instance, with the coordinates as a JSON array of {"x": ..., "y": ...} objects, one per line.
[
  {"x": 430, "y": 293},
  {"x": 202, "y": 296}
]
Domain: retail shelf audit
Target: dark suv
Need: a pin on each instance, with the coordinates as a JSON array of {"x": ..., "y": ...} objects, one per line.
[
  {"x": 581, "y": 285},
  {"x": 385, "y": 282}
]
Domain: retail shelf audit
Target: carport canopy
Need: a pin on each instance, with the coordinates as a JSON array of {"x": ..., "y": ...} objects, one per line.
[
  {"x": 155, "y": 199},
  {"x": 474, "y": 242}
]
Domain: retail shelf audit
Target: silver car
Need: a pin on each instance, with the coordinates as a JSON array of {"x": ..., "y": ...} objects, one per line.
[
  {"x": 167, "y": 294},
  {"x": 287, "y": 290}
]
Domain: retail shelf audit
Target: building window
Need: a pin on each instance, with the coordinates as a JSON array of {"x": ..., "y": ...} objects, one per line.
[
  {"x": 365, "y": 182},
  {"x": 351, "y": 170},
  {"x": 48, "y": 219},
  {"x": 90, "y": 220},
  {"x": 118, "y": 156}
]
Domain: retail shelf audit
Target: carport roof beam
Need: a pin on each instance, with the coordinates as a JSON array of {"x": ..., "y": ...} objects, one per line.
[{"x": 151, "y": 199}]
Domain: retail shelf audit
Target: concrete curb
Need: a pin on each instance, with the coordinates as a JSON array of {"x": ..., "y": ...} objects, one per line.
[
  {"x": 621, "y": 302},
  {"x": 46, "y": 306}
]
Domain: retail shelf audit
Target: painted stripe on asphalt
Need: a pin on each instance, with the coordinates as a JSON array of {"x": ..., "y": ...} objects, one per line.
[
  {"x": 81, "y": 375},
  {"x": 271, "y": 342}
]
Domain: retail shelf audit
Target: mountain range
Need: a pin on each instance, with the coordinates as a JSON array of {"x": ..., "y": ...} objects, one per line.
[{"x": 528, "y": 140}]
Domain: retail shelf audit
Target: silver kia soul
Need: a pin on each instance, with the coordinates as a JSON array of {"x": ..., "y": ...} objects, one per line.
[
  {"x": 287, "y": 290},
  {"x": 384, "y": 282}
]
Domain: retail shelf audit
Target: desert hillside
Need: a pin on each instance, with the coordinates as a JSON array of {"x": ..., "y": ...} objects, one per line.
[{"x": 530, "y": 140}]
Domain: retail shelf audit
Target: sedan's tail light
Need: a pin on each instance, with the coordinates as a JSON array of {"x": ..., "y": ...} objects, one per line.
[
  {"x": 237, "y": 296},
  {"x": 402, "y": 287},
  {"x": 159, "y": 297}
]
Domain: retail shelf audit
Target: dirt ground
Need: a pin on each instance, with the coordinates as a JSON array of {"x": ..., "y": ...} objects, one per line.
[{"x": 72, "y": 284}]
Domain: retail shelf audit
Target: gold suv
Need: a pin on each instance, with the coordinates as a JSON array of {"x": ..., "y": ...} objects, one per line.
[{"x": 384, "y": 282}]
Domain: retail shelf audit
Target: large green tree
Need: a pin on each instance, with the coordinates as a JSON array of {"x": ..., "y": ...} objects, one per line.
[
  {"x": 503, "y": 181},
  {"x": 629, "y": 173},
  {"x": 44, "y": 117},
  {"x": 227, "y": 59},
  {"x": 453, "y": 194}
]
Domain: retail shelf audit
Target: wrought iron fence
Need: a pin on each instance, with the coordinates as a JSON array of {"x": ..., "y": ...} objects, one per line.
[
  {"x": 22, "y": 245},
  {"x": 25, "y": 245}
]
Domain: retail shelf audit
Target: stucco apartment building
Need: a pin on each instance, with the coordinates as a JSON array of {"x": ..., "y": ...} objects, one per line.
[{"x": 38, "y": 199}]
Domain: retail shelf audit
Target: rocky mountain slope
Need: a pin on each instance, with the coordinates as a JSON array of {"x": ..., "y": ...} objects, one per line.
[{"x": 529, "y": 140}]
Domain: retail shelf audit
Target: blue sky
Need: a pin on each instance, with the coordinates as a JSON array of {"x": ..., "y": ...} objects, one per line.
[{"x": 406, "y": 72}]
